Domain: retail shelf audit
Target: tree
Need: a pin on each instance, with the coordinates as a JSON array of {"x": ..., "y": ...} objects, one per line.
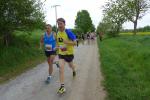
[
  {"x": 19, "y": 15},
  {"x": 78, "y": 32},
  {"x": 113, "y": 18},
  {"x": 83, "y": 21},
  {"x": 54, "y": 28},
  {"x": 103, "y": 27},
  {"x": 116, "y": 12},
  {"x": 93, "y": 28},
  {"x": 135, "y": 10}
]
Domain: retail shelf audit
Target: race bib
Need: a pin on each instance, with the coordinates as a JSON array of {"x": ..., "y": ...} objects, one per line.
[
  {"x": 63, "y": 48},
  {"x": 48, "y": 47}
]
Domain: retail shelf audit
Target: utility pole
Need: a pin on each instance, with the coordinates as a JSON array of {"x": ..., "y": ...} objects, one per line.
[{"x": 55, "y": 6}]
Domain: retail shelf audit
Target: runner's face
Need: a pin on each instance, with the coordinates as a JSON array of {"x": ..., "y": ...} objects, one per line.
[
  {"x": 48, "y": 29},
  {"x": 61, "y": 26}
]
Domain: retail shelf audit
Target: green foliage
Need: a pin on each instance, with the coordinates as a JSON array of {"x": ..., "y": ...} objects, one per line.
[
  {"x": 134, "y": 10},
  {"x": 93, "y": 28},
  {"x": 84, "y": 22},
  {"x": 113, "y": 19},
  {"x": 77, "y": 31},
  {"x": 144, "y": 29},
  {"x": 22, "y": 54},
  {"x": 54, "y": 28},
  {"x": 19, "y": 15},
  {"x": 116, "y": 12}
]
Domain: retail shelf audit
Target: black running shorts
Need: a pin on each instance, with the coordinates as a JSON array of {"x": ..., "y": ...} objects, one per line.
[
  {"x": 49, "y": 53},
  {"x": 67, "y": 58}
]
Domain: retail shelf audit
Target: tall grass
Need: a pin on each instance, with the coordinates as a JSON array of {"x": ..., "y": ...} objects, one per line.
[{"x": 126, "y": 67}]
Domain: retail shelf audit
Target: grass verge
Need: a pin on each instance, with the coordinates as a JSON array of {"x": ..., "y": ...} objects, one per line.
[{"x": 126, "y": 67}]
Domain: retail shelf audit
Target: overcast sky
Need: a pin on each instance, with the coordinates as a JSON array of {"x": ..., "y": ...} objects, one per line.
[{"x": 68, "y": 10}]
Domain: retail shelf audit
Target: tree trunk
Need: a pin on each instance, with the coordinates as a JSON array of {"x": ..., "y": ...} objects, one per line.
[
  {"x": 118, "y": 29},
  {"x": 7, "y": 39},
  {"x": 135, "y": 27}
]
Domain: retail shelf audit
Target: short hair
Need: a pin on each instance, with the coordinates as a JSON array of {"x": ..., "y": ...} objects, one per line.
[
  {"x": 61, "y": 20},
  {"x": 48, "y": 25}
]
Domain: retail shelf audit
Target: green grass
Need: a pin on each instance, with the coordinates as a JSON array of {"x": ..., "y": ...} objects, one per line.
[
  {"x": 22, "y": 55},
  {"x": 125, "y": 63}
]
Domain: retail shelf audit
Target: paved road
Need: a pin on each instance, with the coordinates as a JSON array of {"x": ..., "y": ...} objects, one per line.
[{"x": 86, "y": 86}]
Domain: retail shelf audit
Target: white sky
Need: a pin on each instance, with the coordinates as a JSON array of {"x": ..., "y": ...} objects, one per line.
[{"x": 68, "y": 10}]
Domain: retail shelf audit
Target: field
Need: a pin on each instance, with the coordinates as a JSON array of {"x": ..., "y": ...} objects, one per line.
[{"x": 125, "y": 63}]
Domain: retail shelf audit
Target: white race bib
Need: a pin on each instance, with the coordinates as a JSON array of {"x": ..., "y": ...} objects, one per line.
[{"x": 48, "y": 47}]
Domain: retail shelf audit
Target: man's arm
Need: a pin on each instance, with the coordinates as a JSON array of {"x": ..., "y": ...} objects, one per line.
[
  {"x": 55, "y": 35},
  {"x": 72, "y": 38}
]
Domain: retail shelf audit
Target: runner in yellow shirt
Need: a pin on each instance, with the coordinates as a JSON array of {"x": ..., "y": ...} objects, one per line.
[{"x": 66, "y": 41}]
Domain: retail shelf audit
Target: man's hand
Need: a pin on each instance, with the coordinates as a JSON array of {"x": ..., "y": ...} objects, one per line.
[
  {"x": 56, "y": 48},
  {"x": 66, "y": 42}
]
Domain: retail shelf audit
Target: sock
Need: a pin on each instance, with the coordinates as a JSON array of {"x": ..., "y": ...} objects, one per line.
[{"x": 62, "y": 85}]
